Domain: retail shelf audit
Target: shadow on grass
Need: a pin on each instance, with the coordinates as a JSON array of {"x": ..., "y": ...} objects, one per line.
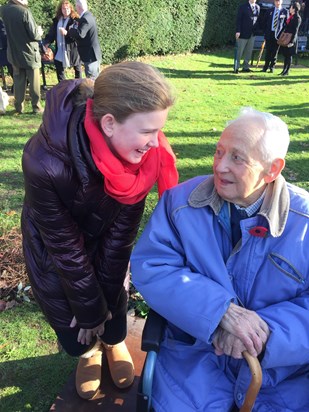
[
  {"x": 36, "y": 381},
  {"x": 225, "y": 73}
]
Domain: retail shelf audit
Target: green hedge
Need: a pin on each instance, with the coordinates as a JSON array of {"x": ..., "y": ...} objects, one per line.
[{"x": 131, "y": 28}]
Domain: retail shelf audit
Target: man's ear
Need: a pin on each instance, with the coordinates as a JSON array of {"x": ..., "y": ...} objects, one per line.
[
  {"x": 274, "y": 170},
  {"x": 107, "y": 124}
]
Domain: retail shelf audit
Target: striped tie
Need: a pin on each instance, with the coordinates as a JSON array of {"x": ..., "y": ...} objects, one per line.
[{"x": 276, "y": 19}]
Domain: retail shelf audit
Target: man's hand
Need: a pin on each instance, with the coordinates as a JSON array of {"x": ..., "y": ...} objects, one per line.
[
  {"x": 237, "y": 35},
  {"x": 227, "y": 344},
  {"x": 85, "y": 336},
  {"x": 247, "y": 326}
]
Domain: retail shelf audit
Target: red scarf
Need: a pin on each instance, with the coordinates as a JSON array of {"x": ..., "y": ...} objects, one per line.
[
  {"x": 129, "y": 183},
  {"x": 289, "y": 19}
]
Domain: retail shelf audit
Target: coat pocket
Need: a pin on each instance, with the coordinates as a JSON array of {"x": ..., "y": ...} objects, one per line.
[{"x": 286, "y": 267}]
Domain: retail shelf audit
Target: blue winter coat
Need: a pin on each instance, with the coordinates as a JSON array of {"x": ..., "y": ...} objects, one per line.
[{"x": 186, "y": 269}]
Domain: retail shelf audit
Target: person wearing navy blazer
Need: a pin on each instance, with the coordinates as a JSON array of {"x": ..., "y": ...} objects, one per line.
[
  {"x": 274, "y": 23},
  {"x": 246, "y": 25}
]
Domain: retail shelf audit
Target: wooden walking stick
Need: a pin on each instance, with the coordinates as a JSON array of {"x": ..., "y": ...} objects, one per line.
[
  {"x": 260, "y": 54},
  {"x": 255, "y": 384}
]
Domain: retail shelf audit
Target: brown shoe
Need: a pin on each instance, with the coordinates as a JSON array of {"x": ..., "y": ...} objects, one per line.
[
  {"x": 38, "y": 110},
  {"x": 120, "y": 364},
  {"x": 88, "y": 375}
]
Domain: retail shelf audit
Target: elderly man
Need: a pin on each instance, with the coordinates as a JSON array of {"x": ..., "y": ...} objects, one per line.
[
  {"x": 23, "y": 52},
  {"x": 274, "y": 23},
  {"x": 246, "y": 23},
  {"x": 86, "y": 35},
  {"x": 224, "y": 258}
]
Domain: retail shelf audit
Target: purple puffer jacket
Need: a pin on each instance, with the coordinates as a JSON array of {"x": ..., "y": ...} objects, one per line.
[{"x": 77, "y": 240}]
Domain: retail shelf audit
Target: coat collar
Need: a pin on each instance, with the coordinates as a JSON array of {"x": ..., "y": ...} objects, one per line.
[{"x": 275, "y": 207}]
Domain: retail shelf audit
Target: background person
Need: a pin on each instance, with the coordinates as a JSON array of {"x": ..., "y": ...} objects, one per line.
[
  {"x": 247, "y": 16},
  {"x": 3, "y": 54},
  {"x": 87, "y": 173},
  {"x": 23, "y": 52},
  {"x": 66, "y": 54},
  {"x": 224, "y": 258},
  {"x": 292, "y": 26},
  {"x": 305, "y": 17},
  {"x": 274, "y": 21},
  {"x": 86, "y": 35}
]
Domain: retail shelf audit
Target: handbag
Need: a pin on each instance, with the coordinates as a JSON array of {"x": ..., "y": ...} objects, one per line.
[
  {"x": 284, "y": 39},
  {"x": 47, "y": 55}
]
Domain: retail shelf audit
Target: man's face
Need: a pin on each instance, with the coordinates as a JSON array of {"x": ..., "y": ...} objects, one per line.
[
  {"x": 238, "y": 172},
  {"x": 278, "y": 3},
  {"x": 252, "y": 1},
  {"x": 78, "y": 8}
]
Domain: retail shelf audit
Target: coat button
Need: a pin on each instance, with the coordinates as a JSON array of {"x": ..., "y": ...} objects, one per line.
[{"x": 239, "y": 396}]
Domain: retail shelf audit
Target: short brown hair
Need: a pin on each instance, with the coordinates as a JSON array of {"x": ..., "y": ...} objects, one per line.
[{"x": 130, "y": 87}]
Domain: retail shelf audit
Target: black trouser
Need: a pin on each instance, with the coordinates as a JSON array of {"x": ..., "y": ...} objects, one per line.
[
  {"x": 271, "y": 52},
  {"x": 287, "y": 52},
  {"x": 287, "y": 64},
  {"x": 115, "y": 331},
  {"x": 61, "y": 74}
]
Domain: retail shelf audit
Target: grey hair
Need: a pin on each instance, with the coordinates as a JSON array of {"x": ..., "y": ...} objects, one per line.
[
  {"x": 275, "y": 140},
  {"x": 82, "y": 4}
]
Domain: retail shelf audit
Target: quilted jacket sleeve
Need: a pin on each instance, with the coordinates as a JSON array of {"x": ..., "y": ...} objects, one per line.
[{"x": 60, "y": 234}]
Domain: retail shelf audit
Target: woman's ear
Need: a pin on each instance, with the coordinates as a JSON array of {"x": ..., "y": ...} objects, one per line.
[
  {"x": 275, "y": 170},
  {"x": 107, "y": 123}
]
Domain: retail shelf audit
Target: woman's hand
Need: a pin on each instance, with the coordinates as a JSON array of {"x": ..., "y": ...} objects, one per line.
[
  {"x": 248, "y": 326},
  {"x": 63, "y": 31},
  {"x": 85, "y": 336}
]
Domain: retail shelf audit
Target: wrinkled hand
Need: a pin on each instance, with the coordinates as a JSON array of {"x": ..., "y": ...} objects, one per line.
[
  {"x": 227, "y": 344},
  {"x": 246, "y": 325},
  {"x": 85, "y": 336}
]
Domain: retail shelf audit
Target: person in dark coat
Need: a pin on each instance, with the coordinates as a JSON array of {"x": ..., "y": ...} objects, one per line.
[
  {"x": 3, "y": 54},
  {"x": 274, "y": 22},
  {"x": 86, "y": 34},
  {"x": 66, "y": 53},
  {"x": 305, "y": 17},
  {"x": 292, "y": 26},
  {"x": 87, "y": 172},
  {"x": 246, "y": 24},
  {"x": 23, "y": 52}
]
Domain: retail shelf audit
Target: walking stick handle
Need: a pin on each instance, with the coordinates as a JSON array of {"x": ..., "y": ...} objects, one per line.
[{"x": 255, "y": 384}]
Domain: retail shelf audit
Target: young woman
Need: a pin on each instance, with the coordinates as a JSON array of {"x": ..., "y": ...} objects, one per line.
[
  {"x": 292, "y": 26},
  {"x": 87, "y": 173},
  {"x": 66, "y": 54}
]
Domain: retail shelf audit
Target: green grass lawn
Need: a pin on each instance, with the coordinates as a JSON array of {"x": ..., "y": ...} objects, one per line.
[{"x": 32, "y": 371}]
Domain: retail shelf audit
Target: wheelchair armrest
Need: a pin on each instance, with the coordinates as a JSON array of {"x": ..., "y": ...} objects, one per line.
[
  {"x": 151, "y": 340},
  {"x": 153, "y": 332}
]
